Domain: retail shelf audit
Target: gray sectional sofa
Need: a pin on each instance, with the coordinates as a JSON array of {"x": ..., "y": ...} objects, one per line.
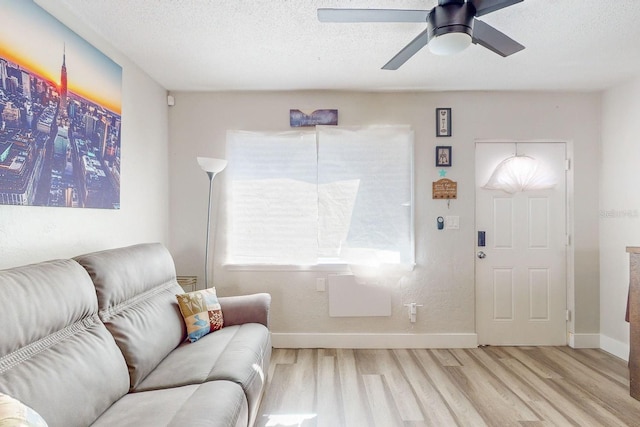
[{"x": 99, "y": 340}]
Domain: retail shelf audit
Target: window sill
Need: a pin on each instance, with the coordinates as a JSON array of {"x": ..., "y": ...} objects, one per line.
[{"x": 331, "y": 268}]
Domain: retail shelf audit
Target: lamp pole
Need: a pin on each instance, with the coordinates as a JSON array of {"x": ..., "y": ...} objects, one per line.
[
  {"x": 212, "y": 167},
  {"x": 206, "y": 246}
]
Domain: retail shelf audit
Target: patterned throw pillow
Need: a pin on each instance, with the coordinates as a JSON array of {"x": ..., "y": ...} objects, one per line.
[
  {"x": 201, "y": 312},
  {"x": 14, "y": 413}
]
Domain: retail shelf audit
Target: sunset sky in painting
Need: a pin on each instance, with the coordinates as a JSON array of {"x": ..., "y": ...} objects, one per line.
[{"x": 32, "y": 38}]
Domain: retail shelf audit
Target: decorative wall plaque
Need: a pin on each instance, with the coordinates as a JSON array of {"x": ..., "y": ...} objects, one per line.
[{"x": 445, "y": 189}]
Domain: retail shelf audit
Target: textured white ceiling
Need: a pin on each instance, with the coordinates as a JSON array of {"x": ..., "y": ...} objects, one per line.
[{"x": 206, "y": 45}]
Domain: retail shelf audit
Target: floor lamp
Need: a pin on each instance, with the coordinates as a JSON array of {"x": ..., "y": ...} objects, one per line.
[{"x": 211, "y": 167}]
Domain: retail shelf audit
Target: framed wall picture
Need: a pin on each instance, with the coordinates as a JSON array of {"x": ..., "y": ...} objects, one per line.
[
  {"x": 319, "y": 117},
  {"x": 443, "y": 156},
  {"x": 61, "y": 114},
  {"x": 443, "y": 121}
]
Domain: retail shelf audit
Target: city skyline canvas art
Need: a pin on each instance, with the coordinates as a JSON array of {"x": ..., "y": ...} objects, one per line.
[{"x": 60, "y": 114}]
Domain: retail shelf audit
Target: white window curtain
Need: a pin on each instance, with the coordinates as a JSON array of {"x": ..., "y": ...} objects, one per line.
[
  {"x": 272, "y": 198},
  {"x": 337, "y": 195},
  {"x": 520, "y": 173}
]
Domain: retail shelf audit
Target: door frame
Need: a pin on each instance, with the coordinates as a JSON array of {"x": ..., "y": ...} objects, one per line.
[{"x": 569, "y": 198}]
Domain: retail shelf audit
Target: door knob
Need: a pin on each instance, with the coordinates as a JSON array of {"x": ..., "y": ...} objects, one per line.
[{"x": 481, "y": 255}]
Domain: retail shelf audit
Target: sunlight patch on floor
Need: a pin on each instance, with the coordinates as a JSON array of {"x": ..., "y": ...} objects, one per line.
[{"x": 277, "y": 420}]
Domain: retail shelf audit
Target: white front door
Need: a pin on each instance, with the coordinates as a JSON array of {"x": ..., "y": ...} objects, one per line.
[{"x": 521, "y": 271}]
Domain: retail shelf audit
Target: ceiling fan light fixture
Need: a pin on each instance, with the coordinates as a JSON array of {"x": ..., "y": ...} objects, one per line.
[
  {"x": 449, "y": 43},
  {"x": 451, "y": 27}
]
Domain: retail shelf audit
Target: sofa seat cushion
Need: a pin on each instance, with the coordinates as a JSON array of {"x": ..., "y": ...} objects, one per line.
[
  {"x": 237, "y": 353},
  {"x": 216, "y": 403}
]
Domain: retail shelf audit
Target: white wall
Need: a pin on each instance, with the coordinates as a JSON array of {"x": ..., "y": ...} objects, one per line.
[
  {"x": 30, "y": 234},
  {"x": 619, "y": 209},
  {"x": 444, "y": 276}
]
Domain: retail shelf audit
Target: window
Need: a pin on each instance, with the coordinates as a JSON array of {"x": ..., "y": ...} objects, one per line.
[{"x": 336, "y": 195}]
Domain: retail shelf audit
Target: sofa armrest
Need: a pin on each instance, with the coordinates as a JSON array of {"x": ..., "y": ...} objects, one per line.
[{"x": 237, "y": 310}]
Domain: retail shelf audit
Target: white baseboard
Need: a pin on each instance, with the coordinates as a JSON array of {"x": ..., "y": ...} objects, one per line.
[
  {"x": 615, "y": 347},
  {"x": 610, "y": 345},
  {"x": 284, "y": 340},
  {"x": 584, "y": 340}
]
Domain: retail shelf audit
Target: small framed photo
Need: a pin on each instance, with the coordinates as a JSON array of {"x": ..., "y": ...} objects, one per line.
[
  {"x": 443, "y": 156},
  {"x": 443, "y": 121}
]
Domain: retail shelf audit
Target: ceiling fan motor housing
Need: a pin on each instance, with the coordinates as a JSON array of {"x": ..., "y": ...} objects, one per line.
[{"x": 451, "y": 18}]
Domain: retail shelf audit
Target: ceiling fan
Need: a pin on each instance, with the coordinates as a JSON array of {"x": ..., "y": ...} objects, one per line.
[{"x": 451, "y": 27}]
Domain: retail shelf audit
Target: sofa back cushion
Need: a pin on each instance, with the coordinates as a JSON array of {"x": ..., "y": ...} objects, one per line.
[
  {"x": 136, "y": 288},
  {"x": 55, "y": 354}
]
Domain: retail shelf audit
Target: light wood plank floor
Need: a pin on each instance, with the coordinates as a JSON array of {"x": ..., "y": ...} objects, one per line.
[{"x": 487, "y": 386}]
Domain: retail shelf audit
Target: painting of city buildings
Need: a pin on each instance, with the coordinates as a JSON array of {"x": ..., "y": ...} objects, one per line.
[{"x": 60, "y": 114}]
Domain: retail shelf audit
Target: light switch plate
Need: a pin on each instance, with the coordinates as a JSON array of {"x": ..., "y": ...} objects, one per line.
[{"x": 452, "y": 222}]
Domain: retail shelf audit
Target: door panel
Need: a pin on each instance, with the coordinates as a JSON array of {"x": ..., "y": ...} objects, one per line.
[
  {"x": 503, "y": 222},
  {"x": 538, "y": 223},
  {"x": 521, "y": 283},
  {"x": 539, "y": 293},
  {"x": 503, "y": 294}
]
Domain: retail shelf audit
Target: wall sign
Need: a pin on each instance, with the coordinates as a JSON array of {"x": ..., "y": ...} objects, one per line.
[{"x": 444, "y": 189}]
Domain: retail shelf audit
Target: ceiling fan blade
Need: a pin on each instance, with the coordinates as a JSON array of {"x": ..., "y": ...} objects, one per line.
[
  {"x": 408, "y": 51},
  {"x": 487, "y": 6},
  {"x": 372, "y": 15},
  {"x": 494, "y": 40}
]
